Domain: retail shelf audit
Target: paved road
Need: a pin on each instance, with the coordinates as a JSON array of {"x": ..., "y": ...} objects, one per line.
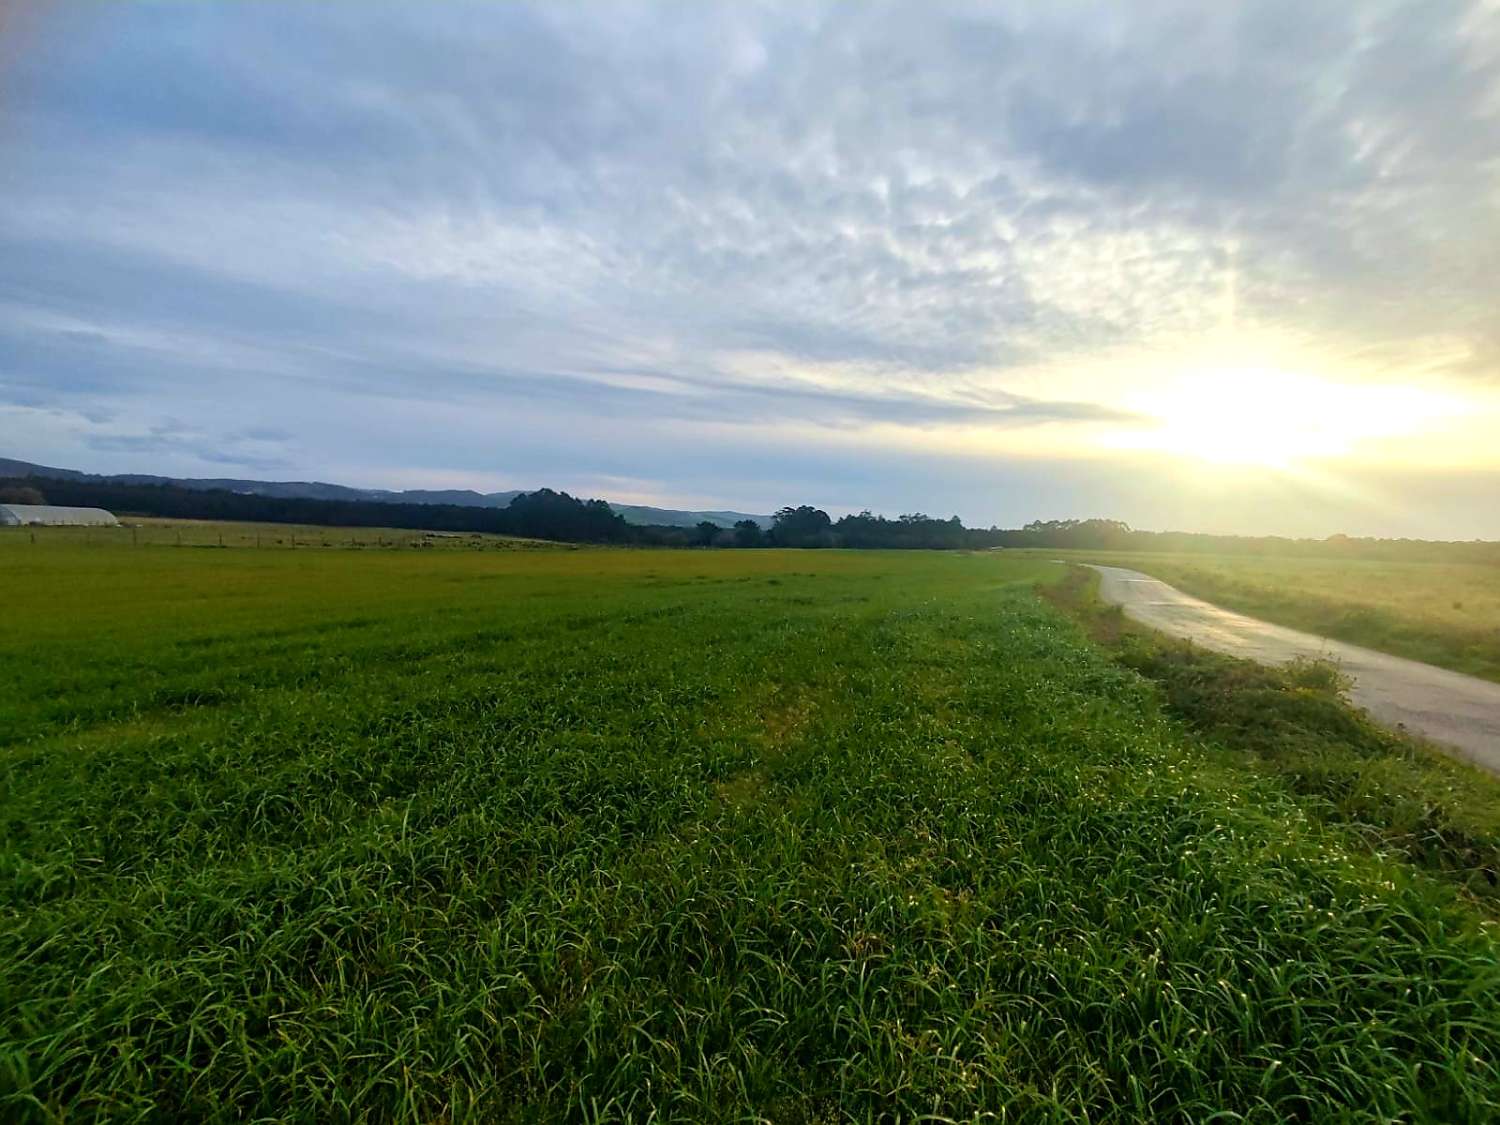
[{"x": 1461, "y": 712}]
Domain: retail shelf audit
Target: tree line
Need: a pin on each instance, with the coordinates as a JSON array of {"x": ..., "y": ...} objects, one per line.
[
  {"x": 548, "y": 514},
  {"x": 543, "y": 514},
  {"x": 806, "y": 526}
]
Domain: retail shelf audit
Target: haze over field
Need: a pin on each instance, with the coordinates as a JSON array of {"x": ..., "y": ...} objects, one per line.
[{"x": 1221, "y": 267}]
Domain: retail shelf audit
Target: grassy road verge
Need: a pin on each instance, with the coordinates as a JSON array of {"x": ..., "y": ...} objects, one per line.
[
  {"x": 1293, "y": 722},
  {"x": 1446, "y": 614}
]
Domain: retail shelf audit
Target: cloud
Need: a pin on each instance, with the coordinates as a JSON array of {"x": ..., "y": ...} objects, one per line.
[{"x": 753, "y": 215}]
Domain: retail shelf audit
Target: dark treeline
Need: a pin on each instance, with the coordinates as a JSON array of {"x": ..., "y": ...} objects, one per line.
[
  {"x": 810, "y": 527},
  {"x": 545, "y": 514}
]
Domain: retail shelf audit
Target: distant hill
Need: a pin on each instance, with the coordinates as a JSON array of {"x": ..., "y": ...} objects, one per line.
[
  {"x": 672, "y": 517},
  {"x": 319, "y": 490}
]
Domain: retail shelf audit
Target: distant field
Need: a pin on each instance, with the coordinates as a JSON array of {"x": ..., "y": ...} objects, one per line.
[
  {"x": 145, "y": 531},
  {"x": 705, "y": 836},
  {"x": 1442, "y": 613}
]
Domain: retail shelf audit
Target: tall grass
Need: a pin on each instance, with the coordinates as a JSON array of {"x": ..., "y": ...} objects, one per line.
[{"x": 603, "y": 835}]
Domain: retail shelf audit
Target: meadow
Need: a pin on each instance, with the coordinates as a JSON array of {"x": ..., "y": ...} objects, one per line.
[
  {"x": 1444, "y": 613},
  {"x": 397, "y": 834},
  {"x": 159, "y": 531}
]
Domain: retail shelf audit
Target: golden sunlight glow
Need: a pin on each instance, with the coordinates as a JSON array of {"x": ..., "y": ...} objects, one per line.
[{"x": 1276, "y": 419}]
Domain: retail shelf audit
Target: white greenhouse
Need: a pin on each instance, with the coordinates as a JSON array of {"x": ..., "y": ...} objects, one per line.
[{"x": 49, "y": 515}]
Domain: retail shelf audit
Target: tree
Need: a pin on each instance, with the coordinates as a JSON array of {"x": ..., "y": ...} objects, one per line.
[
  {"x": 707, "y": 530},
  {"x": 20, "y": 494},
  {"x": 804, "y": 526},
  {"x": 863, "y": 530},
  {"x": 747, "y": 533},
  {"x": 546, "y": 514},
  {"x": 912, "y": 531},
  {"x": 1090, "y": 533}
]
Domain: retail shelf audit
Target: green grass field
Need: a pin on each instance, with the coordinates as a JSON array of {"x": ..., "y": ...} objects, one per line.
[
  {"x": 155, "y": 531},
  {"x": 694, "y": 836},
  {"x": 1441, "y": 613}
]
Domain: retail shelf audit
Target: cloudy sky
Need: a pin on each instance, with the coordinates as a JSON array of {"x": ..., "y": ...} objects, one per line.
[{"x": 1207, "y": 266}]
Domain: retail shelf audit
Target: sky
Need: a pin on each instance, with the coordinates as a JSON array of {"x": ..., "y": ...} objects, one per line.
[{"x": 1227, "y": 267}]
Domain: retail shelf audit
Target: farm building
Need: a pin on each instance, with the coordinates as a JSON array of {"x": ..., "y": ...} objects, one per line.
[{"x": 49, "y": 515}]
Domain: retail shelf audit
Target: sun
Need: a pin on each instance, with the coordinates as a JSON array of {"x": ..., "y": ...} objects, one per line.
[{"x": 1274, "y": 419}]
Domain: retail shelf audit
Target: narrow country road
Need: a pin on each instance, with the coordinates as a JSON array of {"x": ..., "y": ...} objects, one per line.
[{"x": 1459, "y": 711}]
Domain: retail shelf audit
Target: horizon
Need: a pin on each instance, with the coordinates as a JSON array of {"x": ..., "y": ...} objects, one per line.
[
  {"x": 770, "y": 513},
  {"x": 1228, "y": 269}
]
